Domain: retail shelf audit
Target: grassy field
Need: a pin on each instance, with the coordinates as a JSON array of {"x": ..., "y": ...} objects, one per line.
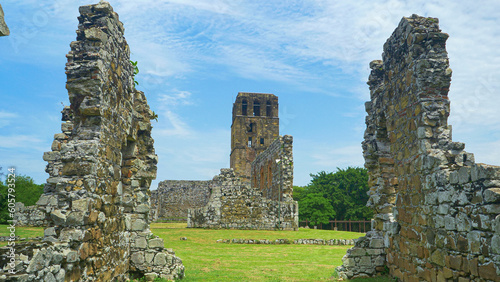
[{"x": 206, "y": 260}]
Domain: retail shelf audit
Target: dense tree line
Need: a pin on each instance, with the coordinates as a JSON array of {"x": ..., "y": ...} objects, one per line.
[
  {"x": 24, "y": 190},
  {"x": 340, "y": 195}
]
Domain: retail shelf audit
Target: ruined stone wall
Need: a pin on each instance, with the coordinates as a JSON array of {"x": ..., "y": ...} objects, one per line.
[
  {"x": 437, "y": 211},
  {"x": 100, "y": 167},
  {"x": 30, "y": 216},
  {"x": 4, "y": 29},
  {"x": 234, "y": 204},
  {"x": 272, "y": 170},
  {"x": 173, "y": 198}
]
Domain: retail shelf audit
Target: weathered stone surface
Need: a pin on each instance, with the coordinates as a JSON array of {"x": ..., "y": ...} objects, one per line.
[
  {"x": 255, "y": 126},
  {"x": 436, "y": 208},
  {"x": 96, "y": 200},
  {"x": 4, "y": 30},
  {"x": 173, "y": 198}
]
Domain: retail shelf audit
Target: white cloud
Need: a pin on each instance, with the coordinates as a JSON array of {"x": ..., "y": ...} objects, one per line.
[
  {"x": 19, "y": 141},
  {"x": 170, "y": 124},
  {"x": 6, "y": 118},
  {"x": 175, "y": 98}
]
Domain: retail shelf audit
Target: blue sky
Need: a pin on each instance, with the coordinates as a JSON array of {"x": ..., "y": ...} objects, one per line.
[{"x": 195, "y": 56}]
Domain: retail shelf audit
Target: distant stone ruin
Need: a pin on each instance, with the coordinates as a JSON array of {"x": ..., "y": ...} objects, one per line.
[
  {"x": 173, "y": 198},
  {"x": 256, "y": 192},
  {"x": 4, "y": 29},
  {"x": 101, "y": 166},
  {"x": 437, "y": 212}
]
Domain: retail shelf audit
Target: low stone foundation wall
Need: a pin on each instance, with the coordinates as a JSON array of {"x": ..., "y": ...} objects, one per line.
[
  {"x": 236, "y": 205},
  {"x": 30, "y": 216},
  {"x": 331, "y": 242}
]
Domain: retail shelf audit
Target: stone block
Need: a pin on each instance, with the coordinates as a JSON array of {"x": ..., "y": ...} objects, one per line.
[
  {"x": 348, "y": 262},
  {"x": 160, "y": 259},
  {"x": 81, "y": 205},
  {"x": 96, "y": 34},
  {"x": 51, "y": 231},
  {"x": 137, "y": 258},
  {"x": 464, "y": 175},
  {"x": 376, "y": 243},
  {"x": 156, "y": 243},
  {"x": 141, "y": 243},
  {"x": 365, "y": 261},
  {"x": 142, "y": 208},
  {"x": 76, "y": 218},
  {"x": 357, "y": 252},
  {"x": 438, "y": 257},
  {"x": 492, "y": 195},
  {"x": 474, "y": 241},
  {"x": 495, "y": 244},
  {"x": 58, "y": 217},
  {"x": 149, "y": 256},
  {"x": 137, "y": 224},
  {"x": 489, "y": 271}
]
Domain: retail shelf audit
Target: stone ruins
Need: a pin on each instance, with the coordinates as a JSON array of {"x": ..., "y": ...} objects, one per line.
[
  {"x": 4, "y": 29},
  {"x": 256, "y": 192},
  {"x": 101, "y": 166},
  {"x": 174, "y": 198},
  {"x": 437, "y": 212},
  {"x": 261, "y": 175}
]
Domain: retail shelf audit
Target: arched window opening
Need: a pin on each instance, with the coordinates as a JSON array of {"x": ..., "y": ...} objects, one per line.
[
  {"x": 244, "y": 106},
  {"x": 251, "y": 127},
  {"x": 256, "y": 108},
  {"x": 269, "y": 109}
]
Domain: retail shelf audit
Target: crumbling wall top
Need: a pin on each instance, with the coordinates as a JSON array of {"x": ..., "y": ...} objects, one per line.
[{"x": 4, "y": 29}]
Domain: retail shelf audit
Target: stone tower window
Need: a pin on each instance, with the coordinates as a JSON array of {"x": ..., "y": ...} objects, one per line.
[
  {"x": 256, "y": 108},
  {"x": 251, "y": 128},
  {"x": 249, "y": 141},
  {"x": 244, "y": 106},
  {"x": 269, "y": 109},
  {"x": 261, "y": 141}
]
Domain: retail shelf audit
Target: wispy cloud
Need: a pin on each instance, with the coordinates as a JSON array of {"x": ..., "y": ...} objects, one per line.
[
  {"x": 6, "y": 118},
  {"x": 172, "y": 125},
  {"x": 175, "y": 98},
  {"x": 19, "y": 141}
]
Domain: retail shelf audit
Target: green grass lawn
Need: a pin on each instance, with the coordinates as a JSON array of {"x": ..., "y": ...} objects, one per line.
[{"x": 206, "y": 260}]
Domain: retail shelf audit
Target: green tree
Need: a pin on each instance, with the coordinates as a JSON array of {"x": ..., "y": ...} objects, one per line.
[
  {"x": 26, "y": 192},
  {"x": 298, "y": 193},
  {"x": 345, "y": 190},
  {"x": 316, "y": 208}
]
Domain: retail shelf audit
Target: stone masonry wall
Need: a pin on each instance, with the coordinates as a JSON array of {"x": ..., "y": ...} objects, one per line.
[
  {"x": 272, "y": 170},
  {"x": 100, "y": 167},
  {"x": 173, "y": 198},
  {"x": 4, "y": 29},
  {"x": 234, "y": 204},
  {"x": 30, "y": 216},
  {"x": 437, "y": 211}
]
